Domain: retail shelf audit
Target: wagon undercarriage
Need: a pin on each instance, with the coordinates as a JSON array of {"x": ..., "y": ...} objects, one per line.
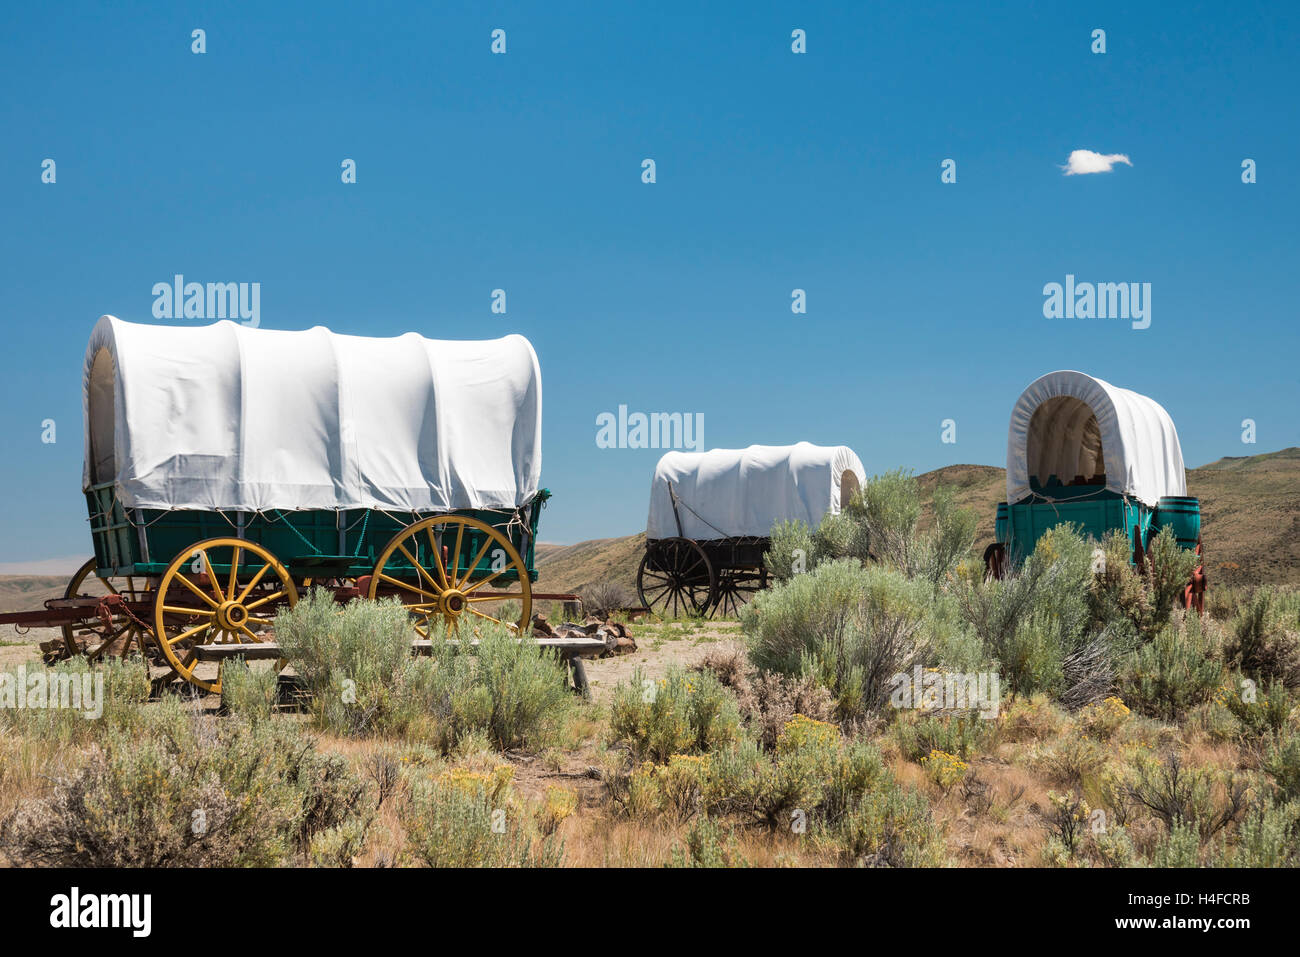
[
  {"x": 682, "y": 576},
  {"x": 226, "y": 591}
]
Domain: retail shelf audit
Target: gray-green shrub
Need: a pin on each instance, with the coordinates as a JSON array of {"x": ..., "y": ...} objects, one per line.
[
  {"x": 249, "y": 692},
  {"x": 182, "y": 793},
  {"x": 852, "y": 628},
  {"x": 473, "y": 819},
  {"x": 682, "y": 712},
  {"x": 1037, "y": 617},
  {"x": 512, "y": 690},
  {"x": 356, "y": 661},
  {"x": 1264, "y": 637},
  {"x": 1135, "y": 604},
  {"x": 1178, "y": 670}
]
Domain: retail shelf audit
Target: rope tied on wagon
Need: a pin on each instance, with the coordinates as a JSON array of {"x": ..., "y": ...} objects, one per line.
[
  {"x": 361, "y": 535},
  {"x": 301, "y": 537},
  {"x": 1052, "y": 501},
  {"x": 677, "y": 501}
]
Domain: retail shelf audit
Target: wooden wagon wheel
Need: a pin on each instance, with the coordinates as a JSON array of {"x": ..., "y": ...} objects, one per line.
[
  {"x": 122, "y": 631},
  {"x": 439, "y": 593},
  {"x": 193, "y": 608},
  {"x": 676, "y": 576},
  {"x": 736, "y": 586}
]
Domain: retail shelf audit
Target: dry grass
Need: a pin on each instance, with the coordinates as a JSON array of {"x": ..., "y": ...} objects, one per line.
[
  {"x": 990, "y": 820},
  {"x": 995, "y": 817}
]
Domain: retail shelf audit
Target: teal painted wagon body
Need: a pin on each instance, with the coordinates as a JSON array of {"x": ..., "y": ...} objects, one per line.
[
  {"x": 1084, "y": 453},
  {"x": 1096, "y": 512},
  {"x": 312, "y": 543}
]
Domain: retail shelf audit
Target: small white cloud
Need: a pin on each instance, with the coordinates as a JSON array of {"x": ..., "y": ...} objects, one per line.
[{"x": 1086, "y": 161}]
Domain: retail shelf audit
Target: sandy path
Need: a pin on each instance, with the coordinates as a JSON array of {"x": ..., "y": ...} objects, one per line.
[{"x": 658, "y": 646}]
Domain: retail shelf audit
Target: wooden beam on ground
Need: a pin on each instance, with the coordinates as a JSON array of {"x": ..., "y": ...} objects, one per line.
[{"x": 585, "y": 647}]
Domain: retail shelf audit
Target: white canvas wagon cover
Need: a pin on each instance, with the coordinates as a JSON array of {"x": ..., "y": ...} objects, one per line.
[
  {"x": 230, "y": 417},
  {"x": 1069, "y": 424},
  {"x": 732, "y": 493}
]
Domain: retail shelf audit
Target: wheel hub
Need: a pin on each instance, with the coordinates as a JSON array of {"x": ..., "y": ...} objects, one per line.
[
  {"x": 232, "y": 616},
  {"x": 453, "y": 601}
]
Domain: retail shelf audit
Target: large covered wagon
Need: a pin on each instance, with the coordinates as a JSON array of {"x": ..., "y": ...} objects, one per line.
[
  {"x": 711, "y": 517},
  {"x": 1082, "y": 451},
  {"x": 227, "y": 468}
]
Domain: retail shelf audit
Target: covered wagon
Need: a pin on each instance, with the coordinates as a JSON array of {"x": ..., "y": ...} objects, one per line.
[
  {"x": 711, "y": 517},
  {"x": 227, "y": 468},
  {"x": 1082, "y": 451}
]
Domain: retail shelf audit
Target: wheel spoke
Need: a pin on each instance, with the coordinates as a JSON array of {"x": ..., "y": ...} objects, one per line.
[
  {"x": 212, "y": 576},
  {"x": 455, "y": 555},
  {"x": 180, "y": 577},
  {"x": 475, "y": 611},
  {"x": 404, "y": 585},
  {"x": 234, "y": 571},
  {"x": 437, "y": 558},
  {"x": 502, "y": 596},
  {"x": 480, "y": 584},
  {"x": 262, "y": 601},
  {"x": 473, "y": 564},
  {"x": 191, "y": 612},
  {"x": 418, "y": 567},
  {"x": 252, "y": 583},
  {"x": 198, "y": 629}
]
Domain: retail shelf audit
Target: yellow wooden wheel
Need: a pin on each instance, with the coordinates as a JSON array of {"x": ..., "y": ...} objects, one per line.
[
  {"x": 422, "y": 565},
  {"x": 124, "y": 633},
  {"x": 223, "y": 590}
]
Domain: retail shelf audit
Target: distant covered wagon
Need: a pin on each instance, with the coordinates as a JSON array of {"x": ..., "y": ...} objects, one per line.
[
  {"x": 1083, "y": 451},
  {"x": 227, "y": 468},
  {"x": 711, "y": 517}
]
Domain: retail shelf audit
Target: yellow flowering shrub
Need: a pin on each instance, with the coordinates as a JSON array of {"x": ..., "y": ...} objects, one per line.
[
  {"x": 470, "y": 818},
  {"x": 682, "y": 712},
  {"x": 1103, "y": 718},
  {"x": 558, "y": 805},
  {"x": 944, "y": 769}
]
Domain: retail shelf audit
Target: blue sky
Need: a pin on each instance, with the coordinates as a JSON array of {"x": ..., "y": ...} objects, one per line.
[{"x": 775, "y": 171}]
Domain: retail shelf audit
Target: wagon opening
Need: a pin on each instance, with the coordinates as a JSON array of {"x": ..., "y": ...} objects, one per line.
[
  {"x": 1064, "y": 446},
  {"x": 1084, "y": 452},
  {"x": 100, "y": 414},
  {"x": 849, "y": 486}
]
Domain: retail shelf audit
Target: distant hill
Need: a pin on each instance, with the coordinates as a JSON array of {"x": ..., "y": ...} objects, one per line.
[
  {"x": 27, "y": 592},
  {"x": 1251, "y": 517},
  {"x": 567, "y": 568},
  {"x": 1250, "y": 509}
]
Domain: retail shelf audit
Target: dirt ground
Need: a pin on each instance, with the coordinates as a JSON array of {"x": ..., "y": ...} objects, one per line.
[
  {"x": 17, "y": 648},
  {"x": 657, "y": 647}
]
